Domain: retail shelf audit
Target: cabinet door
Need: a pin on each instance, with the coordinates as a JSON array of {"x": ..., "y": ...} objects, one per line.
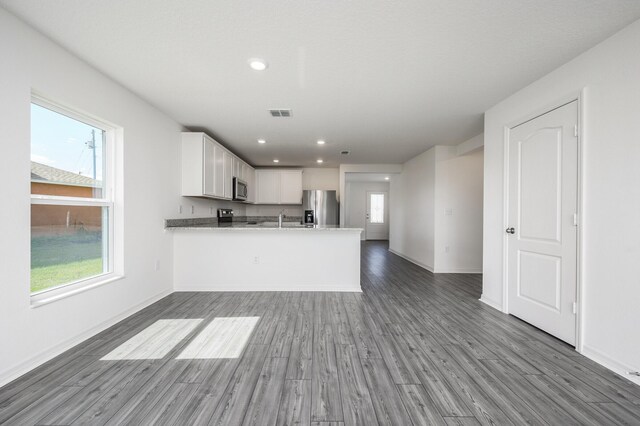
[
  {"x": 237, "y": 168},
  {"x": 291, "y": 187},
  {"x": 228, "y": 175},
  {"x": 244, "y": 171},
  {"x": 219, "y": 171},
  {"x": 268, "y": 184},
  {"x": 208, "y": 175},
  {"x": 250, "y": 178},
  {"x": 238, "y": 172}
]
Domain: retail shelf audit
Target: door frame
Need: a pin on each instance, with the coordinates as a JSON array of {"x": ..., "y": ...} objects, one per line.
[
  {"x": 387, "y": 209},
  {"x": 580, "y": 97}
]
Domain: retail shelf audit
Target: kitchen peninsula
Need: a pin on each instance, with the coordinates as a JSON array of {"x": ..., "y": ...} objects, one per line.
[{"x": 260, "y": 255}]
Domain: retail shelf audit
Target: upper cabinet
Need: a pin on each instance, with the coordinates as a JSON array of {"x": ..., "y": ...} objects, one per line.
[
  {"x": 228, "y": 175},
  {"x": 237, "y": 168},
  {"x": 291, "y": 187},
  {"x": 268, "y": 186},
  {"x": 250, "y": 177},
  {"x": 279, "y": 186},
  {"x": 208, "y": 168},
  {"x": 219, "y": 171}
]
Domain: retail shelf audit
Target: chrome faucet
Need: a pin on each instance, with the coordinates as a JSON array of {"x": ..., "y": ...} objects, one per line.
[{"x": 280, "y": 217}]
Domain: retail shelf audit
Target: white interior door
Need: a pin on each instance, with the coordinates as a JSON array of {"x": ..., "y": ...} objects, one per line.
[
  {"x": 542, "y": 233},
  {"x": 377, "y": 216}
]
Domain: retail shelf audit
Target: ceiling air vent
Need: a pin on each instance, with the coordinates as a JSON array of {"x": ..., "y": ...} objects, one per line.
[
  {"x": 280, "y": 112},
  {"x": 345, "y": 152}
]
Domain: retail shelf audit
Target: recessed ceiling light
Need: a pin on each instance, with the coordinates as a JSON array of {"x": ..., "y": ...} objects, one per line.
[
  {"x": 258, "y": 64},
  {"x": 319, "y": 160},
  {"x": 386, "y": 178},
  {"x": 275, "y": 160},
  {"x": 320, "y": 142},
  {"x": 262, "y": 141}
]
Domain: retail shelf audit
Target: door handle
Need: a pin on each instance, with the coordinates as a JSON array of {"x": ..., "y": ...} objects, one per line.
[{"x": 511, "y": 231}]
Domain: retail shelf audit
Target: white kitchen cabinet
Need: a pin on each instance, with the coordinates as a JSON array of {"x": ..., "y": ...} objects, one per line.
[
  {"x": 208, "y": 170},
  {"x": 228, "y": 175},
  {"x": 198, "y": 165},
  {"x": 268, "y": 186},
  {"x": 279, "y": 186},
  {"x": 244, "y": 171},
  {"x": 291, "y": 187},
  {"x": 219, "y": 171},
  {"x": 237, "y": 168},
  {"x": 207, "y": 167},
  {"x": 250, "y": 178}
]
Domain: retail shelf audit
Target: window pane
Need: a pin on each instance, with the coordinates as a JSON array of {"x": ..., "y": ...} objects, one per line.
[
  {"x": 67, "y": 155},
  {"x": 68, "y": 244},
  {"x": 377, "y": 208}
]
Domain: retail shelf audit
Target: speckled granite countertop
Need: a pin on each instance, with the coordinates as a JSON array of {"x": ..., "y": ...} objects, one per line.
[
  {"x": 251, "y": 223},
  {"x": 239, "y": 227}
]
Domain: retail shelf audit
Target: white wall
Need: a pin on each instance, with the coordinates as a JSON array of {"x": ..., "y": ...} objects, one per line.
[
  {"x": 458, "y": 215},
  {"x": 471, "y": 145},
  {"x": 355, "y": 200},
  {"x": 203, "y": 207},
  {"x": 412, "y": 228},
  {"x": 272, "y": 210},
  {"x": 440, "y": 180},
  {"x": 151, "y": 193},
  {"x": 327, "y": 179},
  {"x": 609, "y": 75},
  {"x": 390, "y": 169}
]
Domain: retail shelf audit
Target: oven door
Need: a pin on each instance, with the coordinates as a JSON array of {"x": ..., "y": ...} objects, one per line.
[{"x": 239, "y": 190}]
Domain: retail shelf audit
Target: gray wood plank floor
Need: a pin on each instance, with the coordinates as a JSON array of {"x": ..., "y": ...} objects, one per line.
[{"x": 413, "y": 348}]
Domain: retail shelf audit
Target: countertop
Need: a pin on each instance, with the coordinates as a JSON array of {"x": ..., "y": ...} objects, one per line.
[
  {"x": 264, "y": 226},
  {"x": 251, "y": 223}
]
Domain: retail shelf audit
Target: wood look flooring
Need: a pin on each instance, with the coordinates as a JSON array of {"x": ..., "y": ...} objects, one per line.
[{"x": 413, "y": 349}]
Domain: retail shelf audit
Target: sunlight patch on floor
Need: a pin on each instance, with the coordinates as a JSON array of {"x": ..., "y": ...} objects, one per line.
[
  {"x": 155, "y": 341},
  {"x": 223, "y": 338}
]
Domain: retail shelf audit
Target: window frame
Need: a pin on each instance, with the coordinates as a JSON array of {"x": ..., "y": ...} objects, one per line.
[
  {"x": 113, "y": 264},
  {"x": 371, "y": 195}
]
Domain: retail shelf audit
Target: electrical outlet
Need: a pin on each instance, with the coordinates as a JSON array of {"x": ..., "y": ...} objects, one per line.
[
  {"x": 180, "y": 209},
  {"x": 193, "y": 209},
  {"x": 210, "y": 210},
  {"x": 256, "y": 260}
]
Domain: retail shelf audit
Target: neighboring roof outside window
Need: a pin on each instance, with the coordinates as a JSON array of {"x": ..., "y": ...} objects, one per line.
[{"x": 42, "y": 173}]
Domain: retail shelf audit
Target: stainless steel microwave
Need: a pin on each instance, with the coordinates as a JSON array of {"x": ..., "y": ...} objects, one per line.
[{"x": 240, "y": 191}]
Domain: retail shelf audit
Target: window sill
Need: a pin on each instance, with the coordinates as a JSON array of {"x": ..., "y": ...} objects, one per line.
[{"x": 42, "y": 299}]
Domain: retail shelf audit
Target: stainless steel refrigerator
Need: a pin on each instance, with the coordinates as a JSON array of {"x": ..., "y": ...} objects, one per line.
[{"x": 323, "y": 204}]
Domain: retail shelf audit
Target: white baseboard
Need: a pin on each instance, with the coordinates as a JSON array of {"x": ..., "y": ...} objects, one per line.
[
  {"x": 608, "y": 362},
  {"x": 415, "y": 262},
  {"x": 35, "y": 361},
  {"x": 272, "y": 288},
  {"x": 494, "y": 305},
  {"x": 459, "y": 271}
]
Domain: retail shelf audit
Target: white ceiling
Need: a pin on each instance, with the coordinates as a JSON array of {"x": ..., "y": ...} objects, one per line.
[{"x": 383, "y": 79}]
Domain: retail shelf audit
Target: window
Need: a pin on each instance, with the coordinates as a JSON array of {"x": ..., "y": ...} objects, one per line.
[
  {"x": 377, "y": 208},
  {"x": 71, "y": 199}
]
